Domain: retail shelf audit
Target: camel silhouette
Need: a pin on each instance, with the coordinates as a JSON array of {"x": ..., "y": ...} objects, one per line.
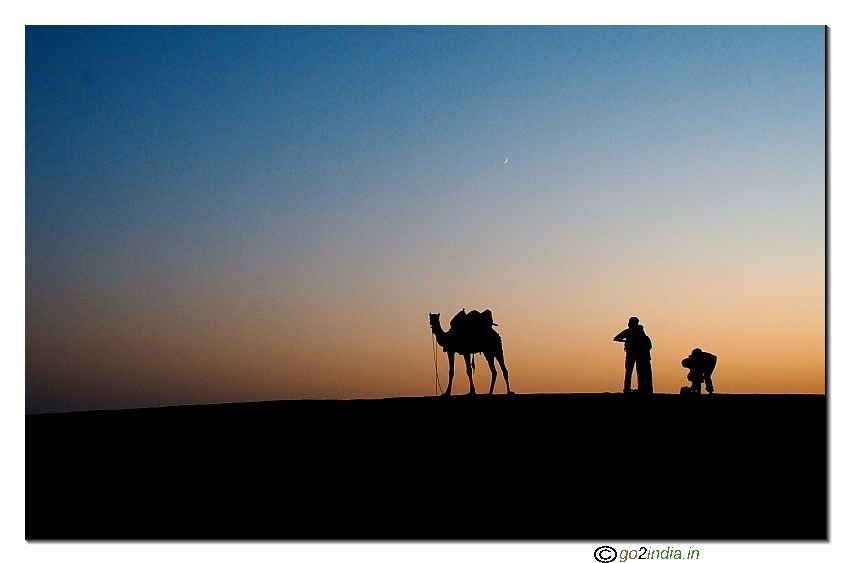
[{"x": 468, "y": 341}]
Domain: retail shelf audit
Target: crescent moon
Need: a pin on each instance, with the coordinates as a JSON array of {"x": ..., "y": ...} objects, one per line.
[{"x": 506, "y": 160}]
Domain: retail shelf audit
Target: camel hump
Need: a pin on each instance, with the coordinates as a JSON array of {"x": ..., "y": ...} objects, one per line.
[
  {"x": 473, "y": 320},
  {"x": 458, "y": 321},
  {"x": 487, "y": 318}
]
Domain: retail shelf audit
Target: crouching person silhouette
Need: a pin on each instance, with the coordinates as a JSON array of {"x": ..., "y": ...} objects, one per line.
[{"x": 701, "y": 365}]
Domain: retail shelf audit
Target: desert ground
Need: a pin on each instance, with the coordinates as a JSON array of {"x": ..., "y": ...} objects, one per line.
[{"x": 521, "y": 467}]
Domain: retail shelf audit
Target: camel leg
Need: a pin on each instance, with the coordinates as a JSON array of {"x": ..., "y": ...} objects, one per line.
[
  {"x": 468, "y": 358},
  {"x": 501, "y": 357},
  {"x": 493, "y": 372},
  {"x": 451, "y": 356}
]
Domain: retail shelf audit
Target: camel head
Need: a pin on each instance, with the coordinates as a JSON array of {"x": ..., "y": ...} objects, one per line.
[{"x": 434, "y": 320}]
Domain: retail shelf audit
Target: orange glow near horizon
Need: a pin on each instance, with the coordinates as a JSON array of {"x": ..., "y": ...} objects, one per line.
[{"x": 770, "y": 340}]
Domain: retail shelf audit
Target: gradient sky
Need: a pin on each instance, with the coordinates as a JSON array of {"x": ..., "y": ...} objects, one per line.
[{"x": 242, "y": 213}]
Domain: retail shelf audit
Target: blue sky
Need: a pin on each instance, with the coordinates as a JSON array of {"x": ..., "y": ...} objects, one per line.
[{"x": 269, "y": 212}]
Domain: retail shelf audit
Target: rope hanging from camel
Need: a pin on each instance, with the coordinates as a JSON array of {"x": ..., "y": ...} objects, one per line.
[{"x": 436, "y": 373}]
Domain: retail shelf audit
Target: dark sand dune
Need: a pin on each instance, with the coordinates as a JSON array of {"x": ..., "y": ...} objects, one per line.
[{"x": 540, "y": 467}]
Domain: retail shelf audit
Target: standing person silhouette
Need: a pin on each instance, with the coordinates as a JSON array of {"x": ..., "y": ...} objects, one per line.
[
  {"x": 637, "y": 345},
  {"x": 643, "y": 361}
]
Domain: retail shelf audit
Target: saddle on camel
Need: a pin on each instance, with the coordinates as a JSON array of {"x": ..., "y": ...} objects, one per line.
[{"x": 473, "y": 322}]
